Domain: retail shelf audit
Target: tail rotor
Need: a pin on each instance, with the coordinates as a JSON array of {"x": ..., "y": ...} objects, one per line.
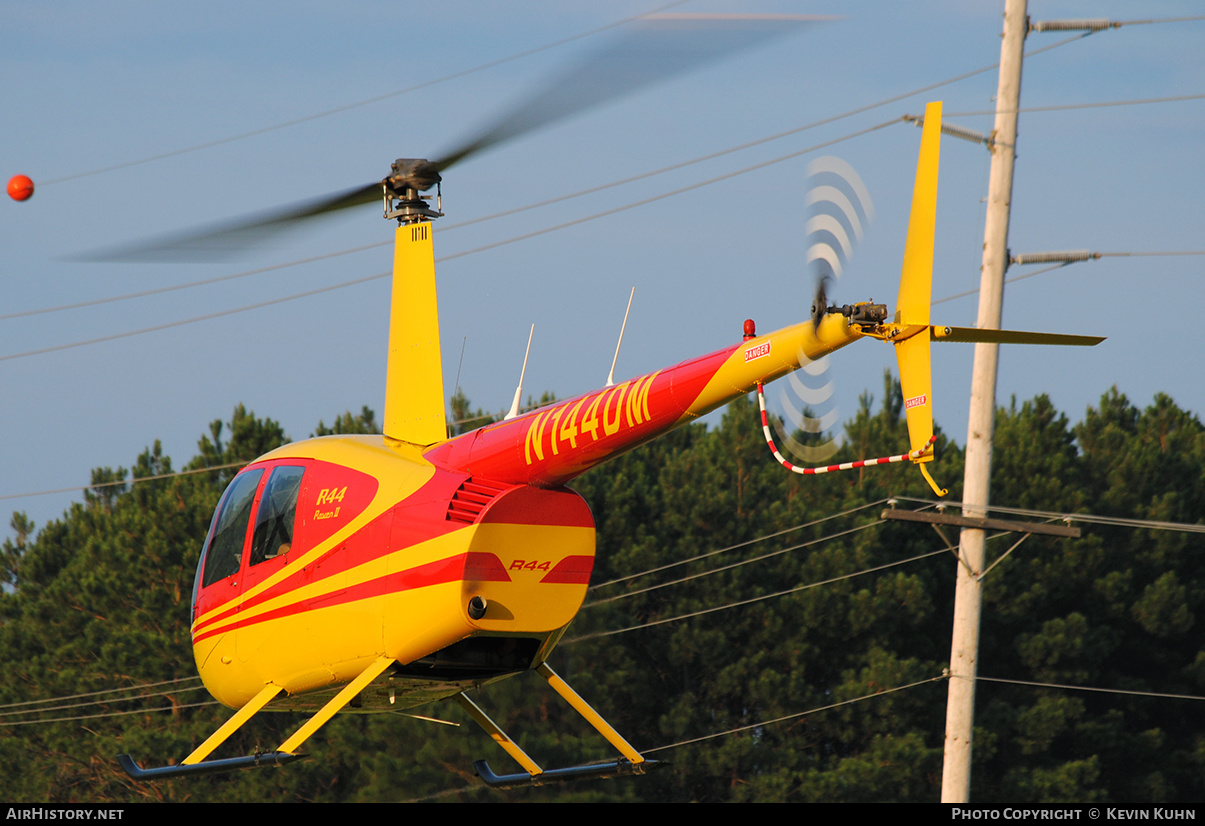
[{"x": 840, "y": 209}]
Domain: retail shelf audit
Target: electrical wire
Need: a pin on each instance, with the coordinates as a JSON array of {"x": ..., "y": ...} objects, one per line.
[
  {"x": 504, "y": 242},
  {"x": 183, "y": 322},
  {"x": 538, "y": 204},
  {"x": 1123, "y": 691},
  {"x": 1068, "y": 107},
  {"x": 787, "y": 592},
  {"x": 1062, "y": 264},
  {"x": 367, "y": 101},
  {"x": 672, "y": 192},
  {"x": 105, "y": 714},
  {"x": 1086, "y": 518},
  {"x": 1014, "y": 511},
  {"x": 732, "y": 565},
  {"x": 547, "y": 202},
  {"x": 762, "y": 724},
  {"x": 796, "y": 715},
  {"x": 738, "y": 545},
  {"x": 102, "y": 691},
  {"x": 353, "y": 282},
  {"x": 129, "y": 481},
  {"x": 449, "y": 77},
  {"x": 1159, "y": 20},
  {"x": 100, "y": 702},
  {"x": 203, "y": 282}
]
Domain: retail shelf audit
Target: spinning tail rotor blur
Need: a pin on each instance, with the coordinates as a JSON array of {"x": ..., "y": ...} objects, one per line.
[{"x": 840, "y": 209}]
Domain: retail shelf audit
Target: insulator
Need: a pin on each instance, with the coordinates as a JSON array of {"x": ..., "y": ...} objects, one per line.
[
  {"x": 1058, "y": 257},
  {"x": 966, "y": 134},
  {"x": 1090, "y": 25}
]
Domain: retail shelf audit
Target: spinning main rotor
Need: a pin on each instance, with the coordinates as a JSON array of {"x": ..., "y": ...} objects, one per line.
[{"x": 645, "y": 51}]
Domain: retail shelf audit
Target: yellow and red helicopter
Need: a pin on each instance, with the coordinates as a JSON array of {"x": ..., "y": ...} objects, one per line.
[
  {"x": 390, "y": 571},
  {"x": 393, "y": 570}
]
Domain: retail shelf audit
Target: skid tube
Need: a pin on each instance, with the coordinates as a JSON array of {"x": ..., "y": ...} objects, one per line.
[
  {"x": 632, "y": 762},
  {"x": 196, "y": 763},
  {"x": 250, "y": 761},
  {"x": 620, "y": 768}
]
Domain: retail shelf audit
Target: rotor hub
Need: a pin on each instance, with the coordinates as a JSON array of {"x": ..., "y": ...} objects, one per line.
[{"x": 401, "y": 190}]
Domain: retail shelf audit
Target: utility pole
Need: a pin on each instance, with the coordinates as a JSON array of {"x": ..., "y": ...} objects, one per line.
[{"x": 964, "y": 651}]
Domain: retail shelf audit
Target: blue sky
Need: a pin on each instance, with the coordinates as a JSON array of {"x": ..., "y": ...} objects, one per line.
[{"x": 86, "y": 86}]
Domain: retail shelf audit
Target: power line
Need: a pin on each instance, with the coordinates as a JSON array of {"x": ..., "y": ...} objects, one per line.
[
  {"x": 203, "y": 282},
  {"x": 663, "y": 195},
  {"x": 1067, "y": 107},
  {"x": 593, "y": 217},
  {"x": 100, "y": 702},
  {"x": 1086, "y": 518},
  {"x": 762, "y": 724},
  {"x": 1130, "y": 692},
  {"x": 738, "y": 545},
  {"x": 102, "y": 691},
  {"x": 104, "y": 714},
  {"x": 547, "y": 202},
  {"x": 1061, "y": 264},
  {"x": 732, "y": 565},
  {"x": 346, "y": 107},
  {"x": 444, "y": 79},
  {"x": 207, "y": 317},
  {"x": 130, "y": 481},
  {"x": 796, "y": 715},
  {"x": 762, "y": 598}
]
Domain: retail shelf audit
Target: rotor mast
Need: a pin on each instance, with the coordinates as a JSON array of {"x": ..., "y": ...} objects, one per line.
[{"x": 414, "y": 395}]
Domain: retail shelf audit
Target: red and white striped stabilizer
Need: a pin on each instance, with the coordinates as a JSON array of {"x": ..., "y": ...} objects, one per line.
[{"x": 815, "y": 471}]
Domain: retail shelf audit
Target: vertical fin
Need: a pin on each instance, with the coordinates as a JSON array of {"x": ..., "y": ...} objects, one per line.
[
  {"x": 916, "y": 287},
  {"x": 916, "y": 384},
  {"x": 916, "y": 277},
  {"x": 414, "y": 391}
]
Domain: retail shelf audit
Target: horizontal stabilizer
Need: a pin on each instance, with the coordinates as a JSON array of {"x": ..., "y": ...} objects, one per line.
[{"x": 973, "y": 334}]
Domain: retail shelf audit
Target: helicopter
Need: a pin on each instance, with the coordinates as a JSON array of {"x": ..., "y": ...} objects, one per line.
[
  {"x": 394, "y": 570},
  {"x": 389, "y": 571}
]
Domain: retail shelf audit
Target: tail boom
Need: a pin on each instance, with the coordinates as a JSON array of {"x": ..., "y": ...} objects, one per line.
[{"x": 550, "y": 446}]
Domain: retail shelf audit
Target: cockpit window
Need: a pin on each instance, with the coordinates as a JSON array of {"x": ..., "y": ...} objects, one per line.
[
  {"x": 225, "y": 549},
  {"x": 274, "y": 523}
]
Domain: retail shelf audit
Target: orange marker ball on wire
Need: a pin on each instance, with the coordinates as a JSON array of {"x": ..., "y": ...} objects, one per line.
[{"x": 20, "y": 188}]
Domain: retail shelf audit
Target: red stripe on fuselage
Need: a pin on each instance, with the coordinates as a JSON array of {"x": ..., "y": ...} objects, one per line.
[
  {"x": 471, "y": 565},
  {"x": 550, "y": 446},
  {"x": 425, "y": 510}
]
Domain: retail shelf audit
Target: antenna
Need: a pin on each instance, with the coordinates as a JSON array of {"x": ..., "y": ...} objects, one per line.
[
  {"x": 514, "y": 405},
  {"x": 611, "y": 375}
]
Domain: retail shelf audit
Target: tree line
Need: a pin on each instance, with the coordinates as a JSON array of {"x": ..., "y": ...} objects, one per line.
[{"x": 766, "y": 634}]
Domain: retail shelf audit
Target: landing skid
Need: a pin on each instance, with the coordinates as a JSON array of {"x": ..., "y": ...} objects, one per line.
[
  {"x": 196, "y": 763},
  {"x": 620, "y": 768},
  {"x": 632, "y": 763},
  {"x": 251, "y": 761}
]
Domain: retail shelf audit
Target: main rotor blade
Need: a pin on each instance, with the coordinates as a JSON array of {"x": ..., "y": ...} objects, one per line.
[
  {"x": 227, "y": 239},
  {"x": 649, "y": 50}
]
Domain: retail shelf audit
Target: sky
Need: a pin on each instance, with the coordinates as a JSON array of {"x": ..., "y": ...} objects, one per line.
[{"x": 100, "y": 99}]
